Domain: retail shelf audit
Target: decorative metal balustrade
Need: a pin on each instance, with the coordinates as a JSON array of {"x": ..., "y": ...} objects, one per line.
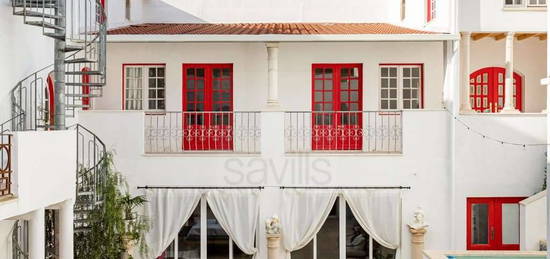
[
  {"x": 362, "y": 131},
  {"x": 6, "y": 150},
  {"x": 180, "y": 132},
  {"x": 20, "y": 239}
]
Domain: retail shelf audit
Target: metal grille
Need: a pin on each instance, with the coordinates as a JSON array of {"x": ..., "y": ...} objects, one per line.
[
  {"x": 363, "y": 131},
  {"x": 5, "y": 164},
  {"x": 20, "y": 239},
  {"x": 179, "y": 132}
]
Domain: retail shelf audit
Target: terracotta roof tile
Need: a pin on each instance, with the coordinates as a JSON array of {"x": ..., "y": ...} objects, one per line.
[{"x": 265, "y": 28}]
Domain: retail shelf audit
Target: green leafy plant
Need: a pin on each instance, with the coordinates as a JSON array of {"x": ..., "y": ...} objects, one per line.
[{"x": 114, "y": 222}]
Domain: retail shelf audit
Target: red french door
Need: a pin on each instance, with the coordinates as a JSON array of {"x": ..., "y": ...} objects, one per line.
[
  {"x": 49, "y": 114},
  {"x": 493, "y": 223},
  {"x": 487, "y": 89},
  {"x": 207, "y": 107},
  {"x": 337, "y": 104}
]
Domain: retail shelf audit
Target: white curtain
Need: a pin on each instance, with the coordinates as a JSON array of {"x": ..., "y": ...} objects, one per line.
[
  {"x": 379, "y": 213},
  {"x": 303, "y": 213},
  {"x": 167, "y": 210},
  {"x": 237, "y": 211}
]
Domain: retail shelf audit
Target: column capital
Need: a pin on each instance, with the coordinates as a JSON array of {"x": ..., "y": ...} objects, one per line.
[
  {"x": 510, "y": 34},
  {"x": 272, "y": 44},
  {"x": 466, "y": 34}
]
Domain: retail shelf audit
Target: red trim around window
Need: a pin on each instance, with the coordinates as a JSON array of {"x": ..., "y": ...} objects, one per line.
[
  {"x": 494, "y": 223},
  {"x": 421, "y": 77},
  {"x": 124, "y": 77},
  {"x": 429, "y": 10}
]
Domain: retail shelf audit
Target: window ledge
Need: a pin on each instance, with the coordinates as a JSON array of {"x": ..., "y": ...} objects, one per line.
[
  {"x": 524, "y": 9},
  {"x": 202, "y": 154},
  {"x": 524, "y": 114},
  {"x": 341, "y": 153}
]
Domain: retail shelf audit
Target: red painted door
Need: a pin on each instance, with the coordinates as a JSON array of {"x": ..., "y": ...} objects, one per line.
[
  {"x": 208, "y": 106},
  {"x": 337, "y": 104},
  {"x": 85, "y": 89},
  {"x": 493, "y": 223},
  {"x": 487, "y": 90},
  {"x": 49, "y": 114}
]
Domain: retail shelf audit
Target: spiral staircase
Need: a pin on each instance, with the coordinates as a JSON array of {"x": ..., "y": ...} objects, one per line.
[{"x": 58, "y": 91}]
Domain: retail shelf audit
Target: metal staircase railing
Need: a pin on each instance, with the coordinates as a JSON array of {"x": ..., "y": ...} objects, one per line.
[
  {"x": 20, "y": 239},
  {"x": 91, "y": 168},
  {"x": 81, "y": 27},
  {"x": 84, "y": 33}
]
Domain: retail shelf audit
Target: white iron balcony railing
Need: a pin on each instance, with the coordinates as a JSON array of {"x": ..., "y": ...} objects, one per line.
[
  {"x": 183, "y": 132},
  {"x": 356, "y": 131}
]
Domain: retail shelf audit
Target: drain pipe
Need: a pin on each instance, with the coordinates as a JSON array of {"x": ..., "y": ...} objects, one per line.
[{"x": 59, "y": 68}]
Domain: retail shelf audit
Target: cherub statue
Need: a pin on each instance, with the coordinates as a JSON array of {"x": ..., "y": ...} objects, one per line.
[
  {"x": 273, "y": 225},
  {"x": 418, "y": 221}
]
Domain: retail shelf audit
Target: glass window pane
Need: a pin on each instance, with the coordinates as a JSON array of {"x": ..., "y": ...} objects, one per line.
[
  {"x": 160, "y": 72},
  {"x": 318, "y": 96},
  {"x": 318, "y": 84},
  {"x": 354, "y": 84},
  {"x": 217, "y": 73},
  {"x": 226, "y": 72},
  {"x": 328, "y": 73},
  {"x": 328, "y": 84},
  {"x": 152, "y": 72},
  {"x": 318, "y": 73},
  {"x": 305, "y": 253},
  {"x": 510, "y": 223},
  {"x": 238, "y": 254},
  {"x": 217, "y": 239},
  {"x": 328, "y": 236},
  {"x": 189, "y": 237},
  {"x": 393, "y": 72},
  {"x": 385, "y": 71},
  {"x": 480, "y": 223},
  {"x": 357, "y": 240},
  {"x": 380, "y": 251}
]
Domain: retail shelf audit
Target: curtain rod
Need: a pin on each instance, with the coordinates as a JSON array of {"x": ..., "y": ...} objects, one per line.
[
  {"x": 200, "y": 187},
  {"x": 346, "y": 187}
]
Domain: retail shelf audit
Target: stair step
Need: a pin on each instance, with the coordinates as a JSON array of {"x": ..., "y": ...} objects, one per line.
[
  {"x": 45, "y": 25},
  {"x": 82, "y": 84},
  {"x": 84, "y": 193},
  {"x": 37, "y": 14},
  {"x": 57, "y": 36},
  {"x": 70, "y": 48},
  {"x": 80, "y": 60},
  {"x": 35, "y": 4},
  {"x": 83, "y": 73}
]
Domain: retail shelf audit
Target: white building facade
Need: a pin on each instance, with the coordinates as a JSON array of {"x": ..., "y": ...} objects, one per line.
[{"x": 342, "y": 118}]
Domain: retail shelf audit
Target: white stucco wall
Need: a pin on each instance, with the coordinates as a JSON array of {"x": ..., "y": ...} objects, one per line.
[
  {"x": 23, "y": 50},
  {"x": 422, "y": 166},
  {"x": 44, "y": 166},
  {"x": 485, "y": 168},
  {"x": 529, "y": 61},
  {"x": 198, "y": 11},
  {"x": 5, "y": 238},
  {"x": 533, "y": 221},
  {"x": 490, "y": 15},
  {"x": 295, "y": 60}
]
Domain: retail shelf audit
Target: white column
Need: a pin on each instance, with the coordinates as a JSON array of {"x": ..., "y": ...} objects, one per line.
[
  {"x": 37, "y": 235},
  {"x": 272, "y": 74},
  {"x": 509, "y": 80},
  {"x": 467, "y": 105},
  {"x": 66, "y": 241}
]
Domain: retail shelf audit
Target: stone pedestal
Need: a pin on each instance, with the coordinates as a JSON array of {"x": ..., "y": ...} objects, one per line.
[
  {"x": 273, "y": 244},
  {"x": 417, "y": 242}
]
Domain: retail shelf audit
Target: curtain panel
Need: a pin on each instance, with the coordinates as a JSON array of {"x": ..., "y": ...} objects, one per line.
[
  {"x": 237, "y": 211},
  {"x": 167, "y": 210},
  {"x": 303, "y": 213}
]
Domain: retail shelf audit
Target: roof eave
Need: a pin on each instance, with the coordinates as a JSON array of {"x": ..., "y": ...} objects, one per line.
[{"x": 278, "y": 37}]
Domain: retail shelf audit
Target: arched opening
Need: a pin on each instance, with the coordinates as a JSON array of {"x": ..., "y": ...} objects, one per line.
[
  {"x": 49, "y": 103},
  {"x": 487, "y": 90}
]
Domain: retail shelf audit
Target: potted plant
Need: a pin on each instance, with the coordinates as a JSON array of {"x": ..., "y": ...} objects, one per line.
[{"x": 134, "y": 224}]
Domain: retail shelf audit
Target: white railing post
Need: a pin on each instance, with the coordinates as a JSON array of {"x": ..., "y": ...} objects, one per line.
[{"x": 272, "y": 133}]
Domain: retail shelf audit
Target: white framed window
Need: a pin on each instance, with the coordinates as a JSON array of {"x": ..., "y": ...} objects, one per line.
[
  {"x": 536, "y": 3},
  {"x": 342, "y": 237},
  {"x": 144, "y": 87},
  {"x": 203, "y": 237},
  {"x": 401, "y": 86},
  {"x": 524, "y": 3}
]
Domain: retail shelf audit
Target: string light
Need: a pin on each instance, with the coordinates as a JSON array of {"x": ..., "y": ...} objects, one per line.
[{"x": 497, "y": 140}]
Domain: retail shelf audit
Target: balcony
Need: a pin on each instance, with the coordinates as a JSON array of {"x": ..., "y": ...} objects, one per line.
[
  {"x": 184, "y": 132},
  {"x": 367, "y": 131},
  {"x": 304, "y": 132}
]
